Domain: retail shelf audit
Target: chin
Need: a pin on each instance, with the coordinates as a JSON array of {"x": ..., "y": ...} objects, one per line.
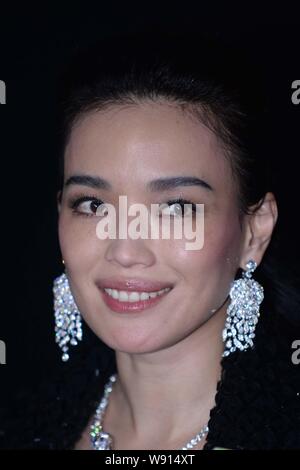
[{"x": 131, "y": 344}]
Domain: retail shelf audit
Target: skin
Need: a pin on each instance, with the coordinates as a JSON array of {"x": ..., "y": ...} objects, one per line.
[{"x": 168, "y": 357}]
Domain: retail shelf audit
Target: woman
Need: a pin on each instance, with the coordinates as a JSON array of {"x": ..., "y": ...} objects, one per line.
[{"x": 183, "y": 348}]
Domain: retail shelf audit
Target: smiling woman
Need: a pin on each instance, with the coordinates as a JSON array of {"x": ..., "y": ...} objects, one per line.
[{"x": 181, "y": 349}]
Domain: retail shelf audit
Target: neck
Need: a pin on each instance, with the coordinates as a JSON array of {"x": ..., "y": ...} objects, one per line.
[{"x": 172, "y": 390}]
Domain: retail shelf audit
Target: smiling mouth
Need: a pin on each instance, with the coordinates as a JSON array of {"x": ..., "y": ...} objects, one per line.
[{"x": 122, "y": 301}]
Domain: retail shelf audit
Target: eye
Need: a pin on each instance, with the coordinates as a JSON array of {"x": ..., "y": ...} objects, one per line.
[
  {"x": 88, "y": 206},
  {"x": 177, "y": 209}
]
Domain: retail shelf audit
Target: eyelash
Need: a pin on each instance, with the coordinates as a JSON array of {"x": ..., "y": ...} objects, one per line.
[
  {"x": 181, "y": 202},
  {"x": 76, "y": 201}
]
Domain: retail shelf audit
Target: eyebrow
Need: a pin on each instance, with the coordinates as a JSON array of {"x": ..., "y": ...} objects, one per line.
[
  {"x": 86, "y": 180},
  {"x": 164, "y": 184},
  {"x": 158, "y": 185}
]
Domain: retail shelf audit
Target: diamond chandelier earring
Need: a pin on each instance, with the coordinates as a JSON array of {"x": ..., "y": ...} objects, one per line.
[
  {"x": 243, "y": 311},
  {"x": 68, "y": 325}
]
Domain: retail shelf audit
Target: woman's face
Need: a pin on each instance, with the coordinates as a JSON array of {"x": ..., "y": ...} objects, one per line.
[{"x": 130, "y": 147}]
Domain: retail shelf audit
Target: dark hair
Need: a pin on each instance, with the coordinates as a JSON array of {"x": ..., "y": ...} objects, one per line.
[
  {"x": 202, "y": 78},
  {"x": 216, "y": 84}
]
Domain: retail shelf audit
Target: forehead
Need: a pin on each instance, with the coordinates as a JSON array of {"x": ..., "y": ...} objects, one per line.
[{"x": 143, "y": 142}]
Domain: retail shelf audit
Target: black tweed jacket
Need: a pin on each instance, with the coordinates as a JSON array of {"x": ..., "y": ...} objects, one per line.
[{"x": 257, "y": 400}]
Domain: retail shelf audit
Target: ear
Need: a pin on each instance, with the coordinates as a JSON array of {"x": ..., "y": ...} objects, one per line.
[
  {"x": 58, "y": 200},
  {"x": 258, "y": 229}
]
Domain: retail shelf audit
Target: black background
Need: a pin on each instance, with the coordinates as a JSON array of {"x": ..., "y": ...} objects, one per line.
[{"x": 34, "y": 43}]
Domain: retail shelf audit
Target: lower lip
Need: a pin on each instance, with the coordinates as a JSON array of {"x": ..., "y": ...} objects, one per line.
[{"x": 127, "y": 307}]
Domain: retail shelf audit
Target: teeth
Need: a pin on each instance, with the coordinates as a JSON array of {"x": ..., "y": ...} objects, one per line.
[{"x": 124, "y": 296}]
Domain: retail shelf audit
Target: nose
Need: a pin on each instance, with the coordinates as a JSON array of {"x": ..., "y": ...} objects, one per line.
[{"x": 129, "y": 252}]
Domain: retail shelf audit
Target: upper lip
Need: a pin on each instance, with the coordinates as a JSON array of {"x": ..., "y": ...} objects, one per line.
[{"x": 130, "y": 284}]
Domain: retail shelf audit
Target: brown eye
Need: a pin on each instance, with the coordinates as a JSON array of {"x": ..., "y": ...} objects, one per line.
[
  {"x": 173, "y": 209},
  {"x": 88, "y": 206},
  {"x": 176, "y": 208},
  {"x": 101, "y": 209}
]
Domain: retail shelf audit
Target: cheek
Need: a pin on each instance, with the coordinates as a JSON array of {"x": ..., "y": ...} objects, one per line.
[
  {"x": 217, "y": 260},
  {"x": 222, "y": 239},
  {"x": 77, "y": 239}
]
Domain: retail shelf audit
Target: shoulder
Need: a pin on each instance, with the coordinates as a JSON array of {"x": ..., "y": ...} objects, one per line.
[
  {"x": 54, "y": 415},
  {"x": 258, "y": 397}
]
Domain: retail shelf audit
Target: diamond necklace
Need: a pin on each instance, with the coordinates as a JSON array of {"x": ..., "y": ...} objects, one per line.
[{"x": 101, "y": 440}]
